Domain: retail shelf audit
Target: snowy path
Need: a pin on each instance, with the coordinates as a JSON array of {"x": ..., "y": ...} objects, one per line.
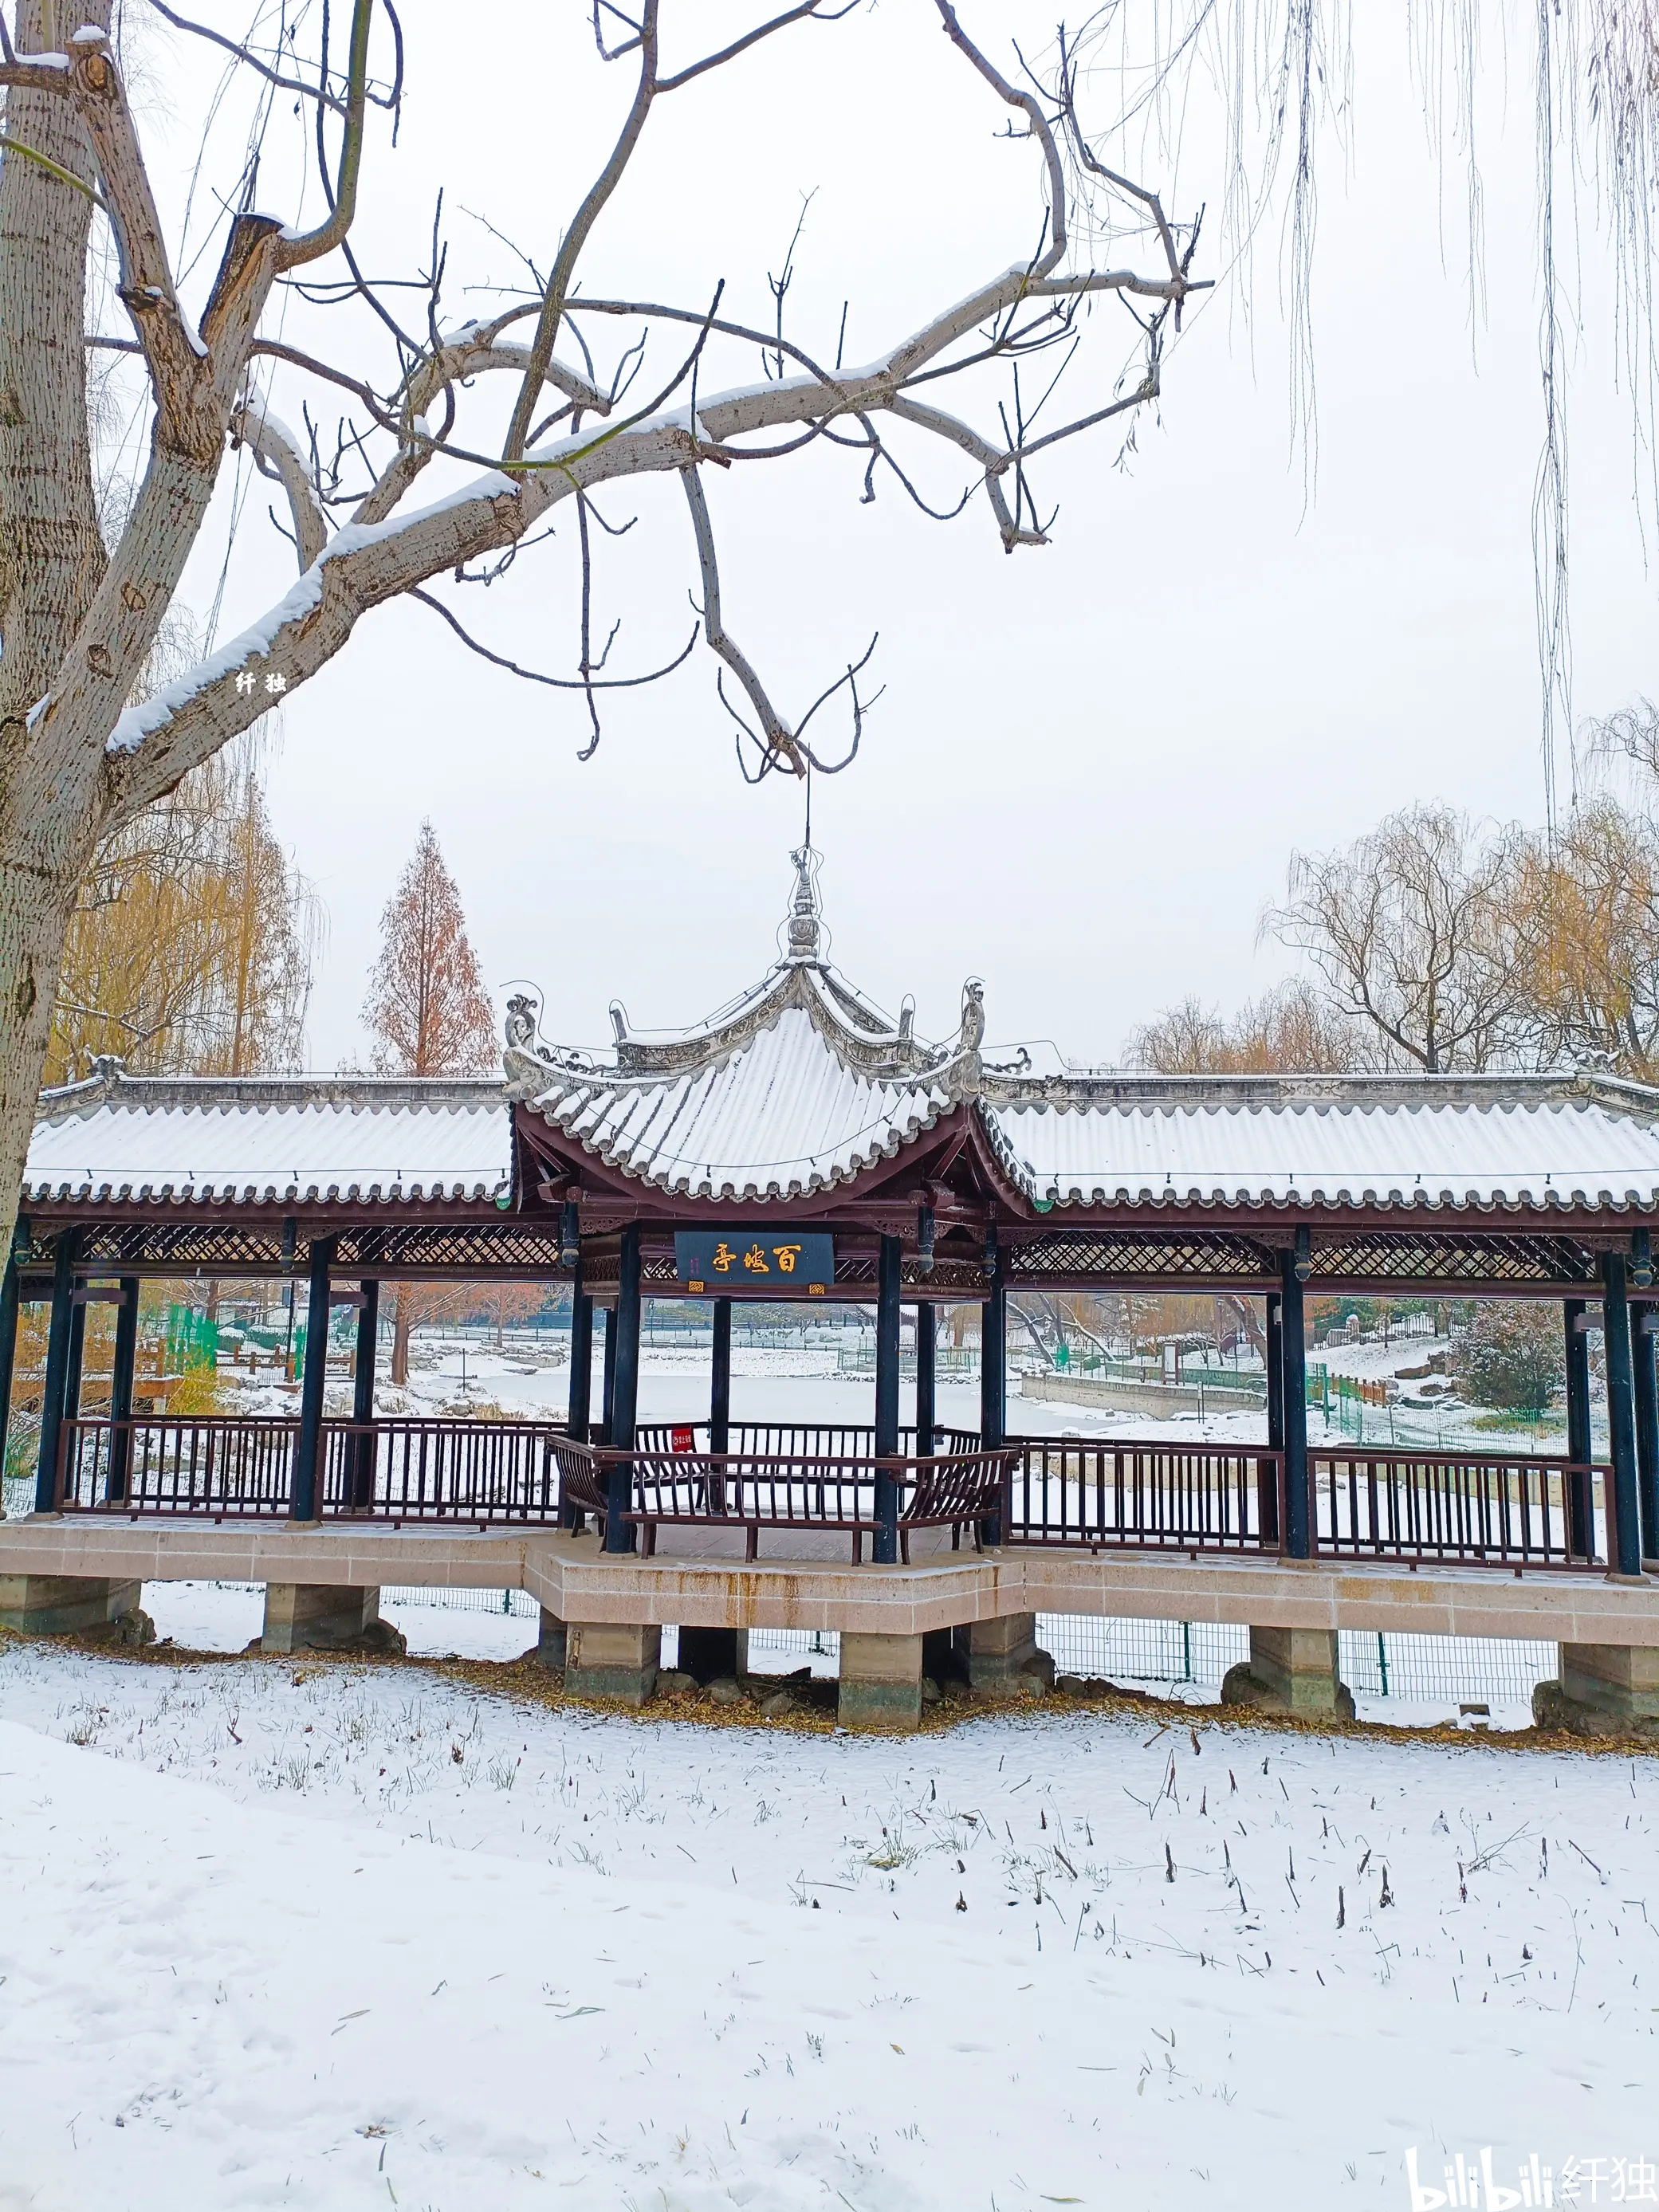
[{"x": 406, "y": 1942}]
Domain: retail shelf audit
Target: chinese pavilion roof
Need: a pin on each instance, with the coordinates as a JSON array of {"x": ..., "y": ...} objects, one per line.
[
  {"x": 797, "y": 1085},
  {"x": 802, "y": 1086}
]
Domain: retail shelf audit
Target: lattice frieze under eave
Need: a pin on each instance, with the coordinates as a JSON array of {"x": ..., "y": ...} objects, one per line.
[
  {"x": 497, "y": 1249},
  {"x": 1520, "y": 1261},
  {"x": 1072, "y": 1253}
]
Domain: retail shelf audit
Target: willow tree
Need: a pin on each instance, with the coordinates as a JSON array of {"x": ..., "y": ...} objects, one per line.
[
  {"x": 191, "y": 943},
  {"x": 596, "y": 390}
]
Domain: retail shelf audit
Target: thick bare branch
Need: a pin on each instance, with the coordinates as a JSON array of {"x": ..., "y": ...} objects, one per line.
[
  {"x": 34, "y": 72},
  {"x": 313, "y": 244},
  {"x": 278, "y": 452},
  {"x": 1032, "y": 109},
  {"x": 780, "y": 737},
  {"x": 570, "y": 246},
  {"x": 172, "y": 350}
]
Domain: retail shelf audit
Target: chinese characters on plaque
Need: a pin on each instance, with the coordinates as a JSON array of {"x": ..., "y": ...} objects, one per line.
[{"x": 711, "y": 1261}]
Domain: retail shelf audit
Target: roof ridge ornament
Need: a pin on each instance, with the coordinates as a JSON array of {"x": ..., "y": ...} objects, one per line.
[{"x": 806, "y": 941}]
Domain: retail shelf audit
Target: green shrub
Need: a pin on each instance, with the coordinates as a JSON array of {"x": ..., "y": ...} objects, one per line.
[{"x": 1514, "y": 1356}]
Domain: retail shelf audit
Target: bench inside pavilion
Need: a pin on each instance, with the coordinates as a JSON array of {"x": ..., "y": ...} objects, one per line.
[{"x": 802, "y": 1146}]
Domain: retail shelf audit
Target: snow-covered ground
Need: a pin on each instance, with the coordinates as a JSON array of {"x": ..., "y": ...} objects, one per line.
[{"x": 335, "y": 1936}]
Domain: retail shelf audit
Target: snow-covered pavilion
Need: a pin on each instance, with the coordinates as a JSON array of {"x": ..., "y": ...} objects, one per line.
[{"x": 802, "y": 1144}]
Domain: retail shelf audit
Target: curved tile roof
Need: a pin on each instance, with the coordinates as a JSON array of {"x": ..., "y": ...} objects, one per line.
[
  {"x": 779, "y": 1115},
  {"x": 293, "y": 1139},
  {"x": 1447, "y": 1146}
]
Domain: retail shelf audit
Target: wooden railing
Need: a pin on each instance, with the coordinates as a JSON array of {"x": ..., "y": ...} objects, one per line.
[
  {"x": 211, "y": 1464},
  {"x": 394, "y": 1470},
  {"x": 442, "y": 1470},
  {"x": 1476, "y": 1509},
  {"x": 1471, "y": 1509},
  {"x": 1144, "y": 1497},
  {"x": 793, "y": 1440}
]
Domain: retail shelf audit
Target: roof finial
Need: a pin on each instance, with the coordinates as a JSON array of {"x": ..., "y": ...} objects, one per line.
[{"x": 804, "y": 929}]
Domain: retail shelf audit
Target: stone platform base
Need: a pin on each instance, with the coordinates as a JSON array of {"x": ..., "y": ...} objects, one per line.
[
  {"x": 880, "y": 1681},
  {"x": 328, "y": 1617},
  {"x": 1002, "y": 1658},
  {"x": 66, "y": 1605},
  {"x": 1602, "y": 1689},
  {"x": 606, "y": 1659},
  {"x": 1290, "y": 1670}
]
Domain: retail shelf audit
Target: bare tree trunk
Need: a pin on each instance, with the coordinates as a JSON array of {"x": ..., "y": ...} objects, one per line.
[
  {"x": 401, "y": 1320},
  {"x": 52, "y": 557},
  {"x": 34, "y": 913}
]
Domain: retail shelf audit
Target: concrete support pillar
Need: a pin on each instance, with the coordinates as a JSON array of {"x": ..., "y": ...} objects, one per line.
[
  {"x": 67, "y": 1605},
  {"x": 1602, "y": 1689},
  {"x": 1004, "y": 1658},
  {"x": 552, "y": 1646},
  {"x": 609, "y": 1660},
  {"x": 880, "y": 1681},
  {"x": 1290, "y": 1670},
  {"x": 326, "y": 1616},
  {"x": 714, "y": 1654},
  {"x": 720, "y": 1380}
]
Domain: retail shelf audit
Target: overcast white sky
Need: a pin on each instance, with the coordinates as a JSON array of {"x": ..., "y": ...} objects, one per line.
[{"x": 1092, "y": 762}]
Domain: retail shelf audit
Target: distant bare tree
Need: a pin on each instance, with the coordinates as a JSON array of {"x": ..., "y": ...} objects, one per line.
[
  {"x": 1289, "y": 1030},
  {"x": 1630, "y": 733},
  {"x": 1412, "y": 930}
]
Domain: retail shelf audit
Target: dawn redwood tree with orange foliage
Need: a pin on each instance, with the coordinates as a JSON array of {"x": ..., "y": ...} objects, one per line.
[
  {"x": 426, "y": 1008},
  {"x": 428, "y": 1014}
]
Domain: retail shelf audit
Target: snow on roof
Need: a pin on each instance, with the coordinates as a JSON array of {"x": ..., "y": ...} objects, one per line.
[
  {"x": 801, "y": 1083},
  {"x": 1425, "y": 1140},
  {"x": 281, "y": 1138},
  {"x": 779, "y": 1115}
]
